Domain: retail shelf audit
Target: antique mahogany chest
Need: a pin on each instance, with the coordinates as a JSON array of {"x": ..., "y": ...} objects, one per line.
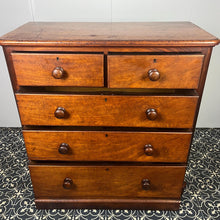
[{"x": 108, "y": 110}]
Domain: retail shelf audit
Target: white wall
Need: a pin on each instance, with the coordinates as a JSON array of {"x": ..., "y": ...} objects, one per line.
[
  {"x": 12, "y": 14},
  {"x": 202, "y": 12}
]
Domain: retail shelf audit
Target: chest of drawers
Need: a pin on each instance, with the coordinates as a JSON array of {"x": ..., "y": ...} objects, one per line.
[{"x": 108, "y": 110}]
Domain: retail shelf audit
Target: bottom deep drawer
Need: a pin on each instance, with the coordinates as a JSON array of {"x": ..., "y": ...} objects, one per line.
[{"x": 71, "y": 182}]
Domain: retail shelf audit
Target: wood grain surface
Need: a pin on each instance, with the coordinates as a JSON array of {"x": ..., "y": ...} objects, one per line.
[
  {"x": 109, "y": 34},
  {"x": 107, "y": 110},
  {"x": 143, "y": 203},
  {"x": 107, "y": 146},
  {"x": 123, "y": 146},
  {"x": 35, "y": 69},
  {"x": 175, "y": 71},
  {"x": 106, "y": 181}
]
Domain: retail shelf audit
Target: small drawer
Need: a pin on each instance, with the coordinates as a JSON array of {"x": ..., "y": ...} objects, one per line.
[
  {"x": 107, "y": 110},
  {"x": 107, "y": 146},
  {"x": 45, "y": 69},
  {"x": 68, "y": 182},
  {"x": 154, "y": 71}
]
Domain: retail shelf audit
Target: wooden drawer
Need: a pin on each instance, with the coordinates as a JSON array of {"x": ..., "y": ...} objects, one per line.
[
  {"x": 106, "y": 181},
  {"x": 168, "y": 71},
  {"x": 107, "y": 146},
  {"x": 46, "y": 69},
  {"x": 103, "y": 110}
]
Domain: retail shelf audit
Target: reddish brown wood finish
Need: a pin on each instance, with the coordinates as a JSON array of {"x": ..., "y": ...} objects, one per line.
[
  {"x": 8, "y": 57},
  {"x": 94, "y": 110},
  {"x": 175, "y": 71},
  {"x": 67, "y": 183},
  {"x": 111, "y": 49},
  {"x": 149, "y": 150},
  {"x": 58, "y": 73},
  {"x": 109, "y": 34},
  {"x": 60, "y": 113},
  {"x": 79, "y": 69},
  {"x": 107, "y": 181},
  {"x": 63, "y": 148},
  {"x": 146, "y": 184},
  {"x": 165, "y": 55},
  {"x": 10, "y": 49},
  {"x": 146, "y": 203},
  {"x": 107, "y": 146},
  {"x": 151, "y": 114},
  {"x": 153, "y": 74}
]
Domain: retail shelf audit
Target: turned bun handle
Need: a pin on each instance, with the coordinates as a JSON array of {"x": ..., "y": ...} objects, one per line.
[
  {"x": 67, "y": 183},
  {"x": 153, "y": 74},
  {"x": 148, "y": 149},
  {"x": 58, "y": 72},
  {"x": 146, "y": 184},
  {"x": 151, "y": 114},
  {"x": 63, "y": 148},
  {"x": 60, "y": 112}
]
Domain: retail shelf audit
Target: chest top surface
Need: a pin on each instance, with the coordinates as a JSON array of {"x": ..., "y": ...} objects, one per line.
[{"x": 109, "y": 34}]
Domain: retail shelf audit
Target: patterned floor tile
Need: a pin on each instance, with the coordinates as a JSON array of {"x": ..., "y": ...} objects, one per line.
[{"x": 200, "y": 200}]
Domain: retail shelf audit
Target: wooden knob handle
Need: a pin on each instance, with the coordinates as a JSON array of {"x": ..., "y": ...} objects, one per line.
[
  {"x": 67, "y": 183},
  {"x": 153, "y": 74},
  {"x": 58, "y": 73},
  {"x": 146, "y": 184},
  {"x": 63, "y": 148},
  {"x": 148, "y": 150},
  {"x": 151, "y": 114},
  {"x": 60, "y": 112}
]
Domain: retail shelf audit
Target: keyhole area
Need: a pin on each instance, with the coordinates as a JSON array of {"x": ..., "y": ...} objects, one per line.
[{"x": 58, "y": 58}]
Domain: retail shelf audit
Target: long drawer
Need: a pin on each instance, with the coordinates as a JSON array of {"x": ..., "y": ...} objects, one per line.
[
  {"x": 107, "y": 110},
  {"x": 154, "y": 71},
  {"x": 107, "y": 146},
  {"x": 47, "y": 69},
  {"x": 66, "y": 182}
]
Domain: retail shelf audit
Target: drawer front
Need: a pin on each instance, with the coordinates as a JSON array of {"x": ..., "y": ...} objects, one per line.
[
  {"x": 154, "y": 71},
  {"x": 95, "y": 110},
  {"x": 106, "y": 181},
  {"x": 36, "y": 69},
  {"x": 107, "y": 146}
]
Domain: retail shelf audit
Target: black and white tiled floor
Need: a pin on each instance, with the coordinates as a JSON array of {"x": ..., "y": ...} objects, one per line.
[{"x": 200, "y": 200}]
